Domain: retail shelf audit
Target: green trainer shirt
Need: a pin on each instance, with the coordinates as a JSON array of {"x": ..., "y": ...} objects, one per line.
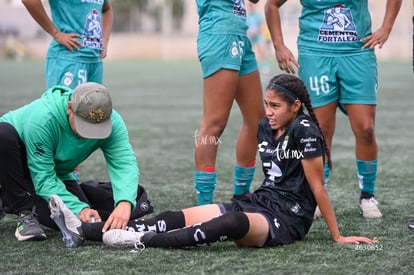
[{"x": 54, "y": 150}]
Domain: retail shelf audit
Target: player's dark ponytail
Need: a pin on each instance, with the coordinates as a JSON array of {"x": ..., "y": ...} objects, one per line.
[{"x": 290, "y": 88}]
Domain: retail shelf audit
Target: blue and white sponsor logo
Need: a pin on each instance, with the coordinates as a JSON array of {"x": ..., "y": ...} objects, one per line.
[{"x": 338, "y": 26}]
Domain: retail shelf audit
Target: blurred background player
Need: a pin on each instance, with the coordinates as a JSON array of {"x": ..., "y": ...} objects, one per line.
[
  {"x": 256, "y": 23},
  {"x": 338, "y": 65}
]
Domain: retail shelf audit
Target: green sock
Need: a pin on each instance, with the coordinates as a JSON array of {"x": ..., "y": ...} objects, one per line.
[
  {"x": 243, "y": 177},
  {"x": 326, "y": 173},
  {"x": 367, "y": 175},
  {"x": 204, "y": 183}
]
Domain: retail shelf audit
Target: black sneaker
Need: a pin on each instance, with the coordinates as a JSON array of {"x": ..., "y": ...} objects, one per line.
[
  {"x": 28, "y": 227},
  {"x": 410, "y": 224}
]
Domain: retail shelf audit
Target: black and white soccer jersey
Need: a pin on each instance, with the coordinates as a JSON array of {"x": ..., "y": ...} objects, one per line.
[
  {"x": 284, "y": 197},
  {"x": 281, "y": 162}
]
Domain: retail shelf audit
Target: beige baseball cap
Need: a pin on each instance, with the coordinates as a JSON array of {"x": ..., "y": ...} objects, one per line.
[{"x": 92, "y": 108}]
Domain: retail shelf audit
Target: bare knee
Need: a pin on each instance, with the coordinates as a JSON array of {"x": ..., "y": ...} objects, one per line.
[
  {"x": 365, "y": 135},
  {"x": 213, "y": 129}
]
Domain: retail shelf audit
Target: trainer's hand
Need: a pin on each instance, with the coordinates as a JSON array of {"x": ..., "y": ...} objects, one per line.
[
  {"x": 119, "y": 217},
  {"x": 356, "y": 240},
  {"x": 89, "y": 215},
  {"x": 69, "y": 40}
]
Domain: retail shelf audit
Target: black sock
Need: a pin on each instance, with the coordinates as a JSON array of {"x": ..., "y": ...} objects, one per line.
[
  {"x": 163, "y": 222},
  {"x": 92, "y": 231},
  {"x": 365, "y": 195},
  {"x": 231, "y": 225}
]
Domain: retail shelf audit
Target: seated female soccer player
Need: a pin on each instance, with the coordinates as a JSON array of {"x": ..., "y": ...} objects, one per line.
[{"x": 280, "y": 211}]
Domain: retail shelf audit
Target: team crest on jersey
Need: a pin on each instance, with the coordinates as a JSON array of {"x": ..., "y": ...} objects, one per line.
[
  {"x": 236, "y": 49},
  {"x": 239, "y": 9},
  {"x": 92, "y": 31},
  {"x": 338, "y": 26},
  {"x": 67, "y": 79}
]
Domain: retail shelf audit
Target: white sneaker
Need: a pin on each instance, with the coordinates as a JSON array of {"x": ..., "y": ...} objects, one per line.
[
  {"x": 123, "y": 238},
  {"x": 369, "y": 208},
  {"x": 68, "y": 223},
  {"x": 317, "y": 213}
]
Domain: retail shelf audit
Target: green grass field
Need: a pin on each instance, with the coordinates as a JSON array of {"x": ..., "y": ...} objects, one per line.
[{"x": 161, "y": 104}]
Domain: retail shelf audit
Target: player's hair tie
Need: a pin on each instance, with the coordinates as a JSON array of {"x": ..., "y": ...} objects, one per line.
[{"x": 283, "y": 89}]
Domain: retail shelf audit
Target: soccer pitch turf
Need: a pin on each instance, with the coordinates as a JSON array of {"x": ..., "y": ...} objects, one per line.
[{"x": 161, "y": 104}]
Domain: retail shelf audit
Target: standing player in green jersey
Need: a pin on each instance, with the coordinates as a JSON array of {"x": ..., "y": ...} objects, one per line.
[
  {"x": 80, "y": 31},
  {"x": 337, "y": 62},
  {"x": 42, "y": 142},
  {"x": 230, "y": 74}
]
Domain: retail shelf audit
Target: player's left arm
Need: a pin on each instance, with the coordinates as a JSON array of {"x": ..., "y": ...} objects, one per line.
[
  {"x": 313, "y": 168},
  {"x": 380, "y": 36},
  {"x": 107, "y": 19}
]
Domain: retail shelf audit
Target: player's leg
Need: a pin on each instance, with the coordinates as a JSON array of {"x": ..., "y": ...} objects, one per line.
[
  {"x": 319, "y": 75},
  {"x": 326, "y": 116},
  {"x": 250, "y": 101},
  {"x": 359, "y": 78},
  {"x": 170, "y": 220},
  {"x": 219, "y": 93},
  {"x": 243, "y": 228},
  {"x": 258, "y": 231},
  {"x": 199, "y": 225},
  {"x": 75, "y": 231},
  {"x": 220, "y": 57},
  {"x": 362, "y": 120},
  {"x": 249, "y": 98}
]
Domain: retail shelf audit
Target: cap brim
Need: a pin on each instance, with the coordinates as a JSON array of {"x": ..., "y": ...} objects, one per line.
[{"x": 92, "y": 130}]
